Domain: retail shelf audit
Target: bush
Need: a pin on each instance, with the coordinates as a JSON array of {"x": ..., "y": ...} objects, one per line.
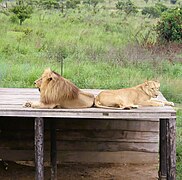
[
  {"x": 72, "y": 4},
  {"x": 128, "y": 7},
  {"x": 151, "y": 11},
  {"x": 22, "y": 11},
  {"x": 50, "y": 4},
  {"x": 155, "y": 11},
  {"x": 169, "y": 28},
  {"x": 173, "y": 1}
]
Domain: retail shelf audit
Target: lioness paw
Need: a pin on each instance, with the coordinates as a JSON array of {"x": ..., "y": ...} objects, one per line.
[
  {"x": 160, "y": 104},
  {"x": 27, "y": 104},
  {"x": 171, "y": 103}
]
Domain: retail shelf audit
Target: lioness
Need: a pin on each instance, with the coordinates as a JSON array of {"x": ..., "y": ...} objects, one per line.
[
  {"x": 58, "y": 92},
  {"x": 131, "y": 97}
]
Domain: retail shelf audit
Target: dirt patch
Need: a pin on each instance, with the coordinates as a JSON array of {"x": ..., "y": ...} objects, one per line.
[{"x": 84, "y": 171}]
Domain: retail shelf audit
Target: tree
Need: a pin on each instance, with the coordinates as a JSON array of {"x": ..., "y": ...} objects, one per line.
[{"x": 22, "y": 10}]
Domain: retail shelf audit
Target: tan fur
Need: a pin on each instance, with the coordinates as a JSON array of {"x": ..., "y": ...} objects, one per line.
[
  {"x": 58, "y": 92},
  {"x": 127, "y": 98}
]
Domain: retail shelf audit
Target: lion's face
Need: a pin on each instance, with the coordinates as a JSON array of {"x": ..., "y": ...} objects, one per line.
[
  {"x": 152, "y": 88},
  {"x": 45, "y": 79},
  {"x": 38, "y": 83}
]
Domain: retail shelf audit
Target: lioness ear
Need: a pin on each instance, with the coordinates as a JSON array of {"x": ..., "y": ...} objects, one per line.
[{"x": 146, "y": 83}]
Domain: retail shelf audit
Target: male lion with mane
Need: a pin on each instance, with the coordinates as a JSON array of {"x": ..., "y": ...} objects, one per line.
[
  {"x": 58, "y": 92},
  {"x": 128, "y": 98}
]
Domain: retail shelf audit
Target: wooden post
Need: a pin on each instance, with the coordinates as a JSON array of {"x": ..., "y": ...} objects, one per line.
[
  {"x": 167, "y": 169},
  {"x": 53, "y": 150},
  {"x": 162, "y": 150},
  {"x": 171, "y": 149},
  {"x": 39, "y": 148}
]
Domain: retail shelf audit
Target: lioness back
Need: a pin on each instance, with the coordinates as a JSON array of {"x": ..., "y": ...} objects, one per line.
[{"x": 139, "y": 95}]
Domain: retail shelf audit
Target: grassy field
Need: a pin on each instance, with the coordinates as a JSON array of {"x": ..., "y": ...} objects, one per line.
[{"x": 102, "y": 50}]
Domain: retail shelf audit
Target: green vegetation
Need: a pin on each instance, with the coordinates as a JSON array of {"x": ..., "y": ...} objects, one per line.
[
  {"x": 21, "y": 11},
  {"x": 170, "y": 27},
  {"x": 100, "y": 49},
  {"x": 154, "y": 11}
]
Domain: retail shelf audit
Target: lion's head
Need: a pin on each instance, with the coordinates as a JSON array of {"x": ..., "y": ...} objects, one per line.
[
  {"x": 54, "y": 88},
  {"x": 151, "y": 88}
]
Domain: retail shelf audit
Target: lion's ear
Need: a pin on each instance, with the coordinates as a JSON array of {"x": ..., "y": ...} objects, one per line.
[
  {"x": 48, "y": 70},
  {"x": 156, "y": 80},
  {"x": 54, "y": 76},
  {"x": 146, "y": 83}
]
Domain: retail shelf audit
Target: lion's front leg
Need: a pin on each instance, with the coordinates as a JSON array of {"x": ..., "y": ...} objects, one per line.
[
  {"x": 152, "y": 103},
  {"x": 165, "y": 102},
  {"x": 32, "y": 104},
  {"x": 39, "y": 105}
]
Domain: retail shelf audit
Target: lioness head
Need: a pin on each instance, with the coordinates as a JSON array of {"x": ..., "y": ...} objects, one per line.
[{"x": 152, "y": 88}]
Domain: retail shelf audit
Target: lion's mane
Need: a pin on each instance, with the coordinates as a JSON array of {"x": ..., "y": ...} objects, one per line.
[{"x": 55, "y": 89}]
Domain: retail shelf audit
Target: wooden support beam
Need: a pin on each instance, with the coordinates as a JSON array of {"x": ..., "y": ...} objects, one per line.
[
  {"x": 53, "y": 153},
  {"x": 171, "y": 149},
  {"x": 39, "y": 148},
  {"x": 167, "y": 169},
  {"x": 162, "y": 151}
]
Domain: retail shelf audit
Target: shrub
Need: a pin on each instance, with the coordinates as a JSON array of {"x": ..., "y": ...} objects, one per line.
[
  {"x": 173, "y": 1},
  {"x": 154, "y": 11},
  {"x": 72, "y": 4},
  {"x": 22, "y": 11},
  {"x": 48, "y": 4},
  {"x": 93, "y": 3},
  {"x": 151, "y": 11},
  {"x": 169, "y": 28},
  {"x": 128, "y": 7}
]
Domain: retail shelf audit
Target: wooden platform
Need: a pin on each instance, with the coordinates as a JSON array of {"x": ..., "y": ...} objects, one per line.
[{"x": 86, "y": 135}]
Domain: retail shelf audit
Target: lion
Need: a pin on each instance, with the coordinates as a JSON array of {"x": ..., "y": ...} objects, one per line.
[
  {"x": 58, "y": 92},
  {"x": 127, "y": 98}
]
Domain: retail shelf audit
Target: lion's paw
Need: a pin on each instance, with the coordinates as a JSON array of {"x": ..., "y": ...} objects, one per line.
[
  {"x": 27, "y": 104},
  {"x": 160, "y": 104},
  {"x": 171, "y": 104}
]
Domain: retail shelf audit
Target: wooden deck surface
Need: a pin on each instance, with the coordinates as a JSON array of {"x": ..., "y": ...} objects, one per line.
[{"x": 12, "y": 99}]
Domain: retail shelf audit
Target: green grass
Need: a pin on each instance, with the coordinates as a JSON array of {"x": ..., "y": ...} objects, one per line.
[{"x": 99, "y": 51}]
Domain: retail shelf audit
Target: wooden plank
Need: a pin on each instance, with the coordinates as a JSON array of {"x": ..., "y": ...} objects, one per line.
[
  {"x": 109, "y": 157},
  {"x": 13, "y": 98},
  {"x": 107, "y": 146},
  {"x": 108, "y": 135},
  {"x": 84, "y": 135},
  {"x": 128, "y": 125},
  {"x": 145, "y": 125},
  {"x": 85, "y": 157},
  {"x": 88, "y": 146},
  {"x": 16, "y": 155},
  {"x": 93, "y": 113}
]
